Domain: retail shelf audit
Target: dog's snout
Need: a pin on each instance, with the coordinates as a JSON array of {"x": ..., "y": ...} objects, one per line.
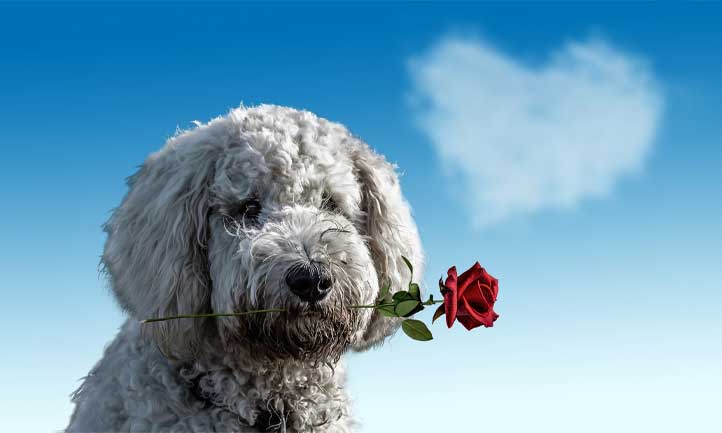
[{"x": 310, "y": 283}]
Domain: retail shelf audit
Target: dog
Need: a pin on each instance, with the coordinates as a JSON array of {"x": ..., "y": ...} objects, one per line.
[{"x": 267, "y": 207}]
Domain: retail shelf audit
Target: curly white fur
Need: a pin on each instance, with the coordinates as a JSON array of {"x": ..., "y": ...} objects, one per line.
[{"x": 177, "y": 244}]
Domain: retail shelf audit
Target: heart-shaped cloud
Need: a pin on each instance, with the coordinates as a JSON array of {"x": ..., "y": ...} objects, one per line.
[{"x": 526, "y": 138}]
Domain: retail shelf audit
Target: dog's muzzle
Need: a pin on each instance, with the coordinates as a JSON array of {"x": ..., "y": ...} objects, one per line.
[{"x": 311, "y": 283}]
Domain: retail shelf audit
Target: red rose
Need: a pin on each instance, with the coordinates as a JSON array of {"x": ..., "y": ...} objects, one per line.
[{"x": 469, "y": 298}]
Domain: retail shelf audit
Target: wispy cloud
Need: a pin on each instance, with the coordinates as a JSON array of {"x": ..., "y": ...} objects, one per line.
[{"x": 524, "y": 137}]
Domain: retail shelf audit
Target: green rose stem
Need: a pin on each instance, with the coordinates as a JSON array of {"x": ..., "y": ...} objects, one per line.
[
  {"x": 393, "y": 304},
  {"x": 413, "y": 328},
  {"x": 244, "y": 313},
  {"x": 200, "y": 316}
]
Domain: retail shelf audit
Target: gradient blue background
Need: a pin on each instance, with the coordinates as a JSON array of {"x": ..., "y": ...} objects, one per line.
[{"x": 610, "y": 313}]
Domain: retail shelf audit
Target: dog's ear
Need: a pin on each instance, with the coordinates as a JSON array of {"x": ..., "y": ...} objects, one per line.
[
  {"x": 156, "y": 248},
  {"x": 390, "y": 231}
]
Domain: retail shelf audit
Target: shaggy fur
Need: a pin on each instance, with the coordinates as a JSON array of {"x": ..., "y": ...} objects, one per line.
[{"x": 182, "y": 242}]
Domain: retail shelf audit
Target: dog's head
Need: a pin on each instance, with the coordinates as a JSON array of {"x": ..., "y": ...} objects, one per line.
[{"x": 265, "y": 208}]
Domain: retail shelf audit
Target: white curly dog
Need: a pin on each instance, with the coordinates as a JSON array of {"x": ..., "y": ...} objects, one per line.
[{"x": 265, "y": 208}]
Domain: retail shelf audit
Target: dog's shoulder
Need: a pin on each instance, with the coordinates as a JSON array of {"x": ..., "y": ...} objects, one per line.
[{"x": 134, "y": 388}]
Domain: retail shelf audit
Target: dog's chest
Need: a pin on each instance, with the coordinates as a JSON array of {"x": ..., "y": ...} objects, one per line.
[{"x": 286, "y": 398}]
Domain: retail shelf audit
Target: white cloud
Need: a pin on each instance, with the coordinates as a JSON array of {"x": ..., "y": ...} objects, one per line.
[{"x": 523, "y": 138}]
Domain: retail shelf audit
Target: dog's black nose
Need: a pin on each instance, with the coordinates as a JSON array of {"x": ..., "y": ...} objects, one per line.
[{"x": 310, "y": 283}]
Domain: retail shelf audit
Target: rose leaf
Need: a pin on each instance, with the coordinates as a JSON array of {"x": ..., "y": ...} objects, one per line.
[
  {"x": 402, "y": 295},
  {"x": 387, "y": 311},
  {"x": 416, "y": 310},
  {"x": 404, "y": 308},
  {"x": 415, "y": 291},
  {"x": 409, "y": 265},
  {"x": 384, "y": 291},
  {"x": 416, "y": 329}
]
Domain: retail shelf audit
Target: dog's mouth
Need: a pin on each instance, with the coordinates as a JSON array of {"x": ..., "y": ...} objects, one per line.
[
  {"x": 311, "y": 309},
  {"x": 318, "y": 331},
  {"x": 310, "y": 314}
]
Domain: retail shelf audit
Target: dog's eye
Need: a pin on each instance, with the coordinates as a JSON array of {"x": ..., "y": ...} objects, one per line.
[
  {"x": 328, "y": 203},
  {"x": 251, "y": 209},
  {"x": 247, "y": 211}
]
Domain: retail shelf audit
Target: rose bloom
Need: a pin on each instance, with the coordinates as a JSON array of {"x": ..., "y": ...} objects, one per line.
[{"x": 469, "y": 297}]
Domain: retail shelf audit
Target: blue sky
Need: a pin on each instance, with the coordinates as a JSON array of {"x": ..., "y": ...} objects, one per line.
[{"x": 609, "y": 303}]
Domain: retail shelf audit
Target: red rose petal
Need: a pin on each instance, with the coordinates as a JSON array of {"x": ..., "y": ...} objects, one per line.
[
  {"x": 468, "y": 322},
  {"x": 480, "y": 315},
  {"x": 479, "y": 294},
  {"x": 494, "y": 285},
  {"x": 450, "y": 296},
  {"x": 488, "y": 294},
  {"x": 468, "y": 277},
  {"x": 451, "y": 278}
]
